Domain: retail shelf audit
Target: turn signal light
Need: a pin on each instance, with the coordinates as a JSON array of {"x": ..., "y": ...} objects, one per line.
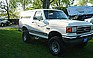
[{"x": 68, "y": 29}]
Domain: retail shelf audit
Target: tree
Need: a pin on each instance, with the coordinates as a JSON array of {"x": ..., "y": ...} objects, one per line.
[
  {"x": 46, "y": 3},
  {"x": 15, "y": 4},
  {"x": 37, "y": 4},
  {"x": 7, "y": 8},
  {"x": 82, "y": 2},
  {"x": 90, "y": 1},
  {"x": 5, "y": 5},
  {"x": 24, "y": 3},
  {"x": 61, "y": 3},
  {"x": 71, "y": 2}
]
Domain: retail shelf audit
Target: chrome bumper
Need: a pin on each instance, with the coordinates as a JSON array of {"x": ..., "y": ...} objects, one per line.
[{"x": 79, "y": 38}]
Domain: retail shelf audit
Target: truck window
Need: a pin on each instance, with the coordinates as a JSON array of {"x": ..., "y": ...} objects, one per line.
[
  {"x": 38, "y": 15},
  {"x": 53, "y": 14}
]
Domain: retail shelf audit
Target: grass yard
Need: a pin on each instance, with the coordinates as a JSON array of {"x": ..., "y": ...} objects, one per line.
[{"x": 12, "y": 46}]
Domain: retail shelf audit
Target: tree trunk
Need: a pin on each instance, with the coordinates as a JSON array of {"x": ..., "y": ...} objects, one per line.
[
  {"x": 23, "y": 5},
  {"x": 46, "y": 3},
  {"x": 7, "y": 9}
]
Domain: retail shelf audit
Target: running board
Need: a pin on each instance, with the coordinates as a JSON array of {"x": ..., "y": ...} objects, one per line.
[{"x": 46, "y": 37}]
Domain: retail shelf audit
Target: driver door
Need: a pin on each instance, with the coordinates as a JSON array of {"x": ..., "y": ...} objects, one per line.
[{"x": 38, "y": 18}]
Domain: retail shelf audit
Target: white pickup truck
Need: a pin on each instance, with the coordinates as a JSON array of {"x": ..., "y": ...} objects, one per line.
[{"x": 54, "y": 26}]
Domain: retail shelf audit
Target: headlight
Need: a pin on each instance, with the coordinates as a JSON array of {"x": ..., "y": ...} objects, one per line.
[{"x": 70, "y": 29}]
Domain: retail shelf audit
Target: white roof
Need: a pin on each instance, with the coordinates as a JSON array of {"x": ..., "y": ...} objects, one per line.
[
  {"x": 27, "y": 13},
  {"x": 30, "y": 12},
  {"x": 79, "y": 10}
]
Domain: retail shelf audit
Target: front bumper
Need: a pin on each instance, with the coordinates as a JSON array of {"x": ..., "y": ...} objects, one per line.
[{"x": 81, "y": 38}]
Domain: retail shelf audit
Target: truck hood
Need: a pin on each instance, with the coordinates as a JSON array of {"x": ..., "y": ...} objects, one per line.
[{"x": 68, "y": 23}]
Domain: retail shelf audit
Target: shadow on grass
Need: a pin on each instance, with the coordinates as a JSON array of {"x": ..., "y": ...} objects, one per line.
[
  {"x": 86, "y": 52},
  {"x": 71, "y": 52},
  {"x": 12, "y": 46}
]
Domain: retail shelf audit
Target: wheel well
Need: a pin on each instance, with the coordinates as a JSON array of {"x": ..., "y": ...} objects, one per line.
[
  {"x": 24, "y": 28},
  {"x": 54, "y": 33}
]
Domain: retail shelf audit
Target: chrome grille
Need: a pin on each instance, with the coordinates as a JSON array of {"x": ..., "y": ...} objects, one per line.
[{"x": 83, "y": 29}]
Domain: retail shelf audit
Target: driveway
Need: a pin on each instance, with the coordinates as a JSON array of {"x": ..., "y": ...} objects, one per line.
[{"x": 12, "y": 26}]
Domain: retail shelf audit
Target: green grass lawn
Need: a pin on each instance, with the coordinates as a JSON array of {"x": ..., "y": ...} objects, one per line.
[{"x": 12, "y": 46}]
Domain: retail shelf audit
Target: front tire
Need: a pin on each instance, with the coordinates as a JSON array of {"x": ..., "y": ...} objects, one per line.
[
  {"x": 26, "y": 36},
  {"x": 56, "y": 46}
]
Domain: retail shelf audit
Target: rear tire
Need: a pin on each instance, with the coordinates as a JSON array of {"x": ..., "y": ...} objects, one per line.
[
  {"x": 26, "y": 36},
  {"x": 56, "y": 46}
]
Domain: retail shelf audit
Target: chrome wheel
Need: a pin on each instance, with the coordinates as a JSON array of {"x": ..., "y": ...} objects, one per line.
[
  {"x": 55, "y": 47},
  {"x": 25, "y": 38}
]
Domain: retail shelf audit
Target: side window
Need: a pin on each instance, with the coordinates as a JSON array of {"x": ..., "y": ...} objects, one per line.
[{"x": 38, "y": 15}]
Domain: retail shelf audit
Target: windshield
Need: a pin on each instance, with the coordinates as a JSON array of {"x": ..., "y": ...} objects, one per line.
[{"x": 53, "y": 14}]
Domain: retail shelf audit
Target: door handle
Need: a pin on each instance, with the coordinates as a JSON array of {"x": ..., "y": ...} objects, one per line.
[{"x": 33, "y": 22}]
